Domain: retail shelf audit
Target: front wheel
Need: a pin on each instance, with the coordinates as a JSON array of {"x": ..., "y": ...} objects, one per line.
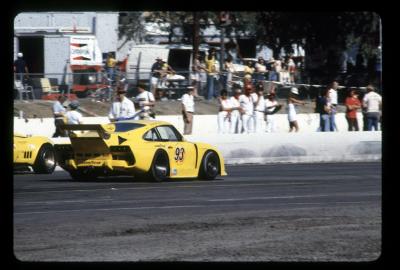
[
  {"x": 159, "y": 170},
  {"x": 45, "y": 161},
  {"x": 210, "y": 165}
]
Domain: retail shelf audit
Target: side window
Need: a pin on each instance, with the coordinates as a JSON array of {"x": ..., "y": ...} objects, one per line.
[
  {"x": 151, "y": 135},
  {"x": 167, "y": 134}
]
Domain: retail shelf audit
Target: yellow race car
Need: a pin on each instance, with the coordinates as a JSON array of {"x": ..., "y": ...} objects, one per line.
[
  {"x": 36, "y": 152},
  {"x": 141, "y": 148}
]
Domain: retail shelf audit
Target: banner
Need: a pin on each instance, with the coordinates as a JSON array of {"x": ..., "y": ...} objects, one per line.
[{"x": 84, "y": 50}]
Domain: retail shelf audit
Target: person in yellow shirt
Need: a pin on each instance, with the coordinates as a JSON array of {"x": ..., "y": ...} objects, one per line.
[
  {"x": 211, "y": 73},
  {"x": 111, "y": 62}
]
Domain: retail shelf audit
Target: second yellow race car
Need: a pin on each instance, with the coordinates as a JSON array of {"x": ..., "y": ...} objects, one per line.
[
  {"x": 141, "y": 148},
  {"x": 34, "y": 151}
]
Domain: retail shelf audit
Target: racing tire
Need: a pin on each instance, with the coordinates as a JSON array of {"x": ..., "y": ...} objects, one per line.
[
  {"x": 210, "y": 166},
  {"x": 45, "y": 161},
  {"x": 159, "y": 170},
  {"x": 82, "y": 176}
]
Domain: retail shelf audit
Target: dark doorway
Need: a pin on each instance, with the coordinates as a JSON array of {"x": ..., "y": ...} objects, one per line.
[
  {"x": 33, "y": 50},
  {"x": 179, "y": 59},
  {"x": 247, "y": 47}
]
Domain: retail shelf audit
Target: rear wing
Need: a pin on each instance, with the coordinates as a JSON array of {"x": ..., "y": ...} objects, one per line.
[{"x": 91, "y": 129}]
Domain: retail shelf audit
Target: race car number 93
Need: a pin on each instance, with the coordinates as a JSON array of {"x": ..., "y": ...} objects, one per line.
[{"x": 179, "y": 154}]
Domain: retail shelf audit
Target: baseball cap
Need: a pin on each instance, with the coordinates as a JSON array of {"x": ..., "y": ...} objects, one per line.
[{"x": 294, "y": 90}]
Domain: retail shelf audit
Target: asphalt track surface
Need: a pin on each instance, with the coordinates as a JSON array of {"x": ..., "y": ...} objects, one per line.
[{"x": 285, "y": 212}]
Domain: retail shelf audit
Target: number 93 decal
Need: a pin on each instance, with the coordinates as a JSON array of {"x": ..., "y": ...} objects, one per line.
[{"x": 179, "y": 154}]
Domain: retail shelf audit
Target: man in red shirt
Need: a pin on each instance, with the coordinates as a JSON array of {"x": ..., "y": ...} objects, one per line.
[{"x": 352, "y": 105}]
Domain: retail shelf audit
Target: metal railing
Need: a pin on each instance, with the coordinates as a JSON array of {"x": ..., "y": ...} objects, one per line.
[{"x": 174, "y": 84}]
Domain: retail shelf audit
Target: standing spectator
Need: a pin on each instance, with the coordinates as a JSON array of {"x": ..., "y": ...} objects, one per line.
[
  {"x": 333, "y": 100},
  {"x": 59, "y": 112},
  {"x": 20, "y": 67},
  {"x": 224, "y": 113},
  {"x": 247, "y": 103},
  {"x": 277, "y": 67},
  {"x": 211, "y": 73},
  {"x": 156, "y": 70},
  {"x": 259, "y": 109},
  {"x": 324, "y": 109},
  {"x": 271, "y": 107},
  {"x": 145, "y": 101},
  {"x": 229, "y": 69},
  {"x": 187, "y": 111},
  {"x": 372, "y": 102},
  {"x": 261, "y": 69},
  {"x": 111, "y": 62},
  {"x": 248, "y": 69},
  {"x": 292, "y": 70},
  {"x": 352, "y": 105},
  {"x": 272, "y": 75},
  {"x": 195, "y": 76},
  {"x": 236, "y": 121},
  {"x": 292, "y": 115},
  {"x": 122, "y": 108},
  {"x": 73, "y": 116}
]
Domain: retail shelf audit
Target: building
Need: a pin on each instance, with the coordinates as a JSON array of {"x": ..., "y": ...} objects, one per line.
[{"x": 44, "y": 37}]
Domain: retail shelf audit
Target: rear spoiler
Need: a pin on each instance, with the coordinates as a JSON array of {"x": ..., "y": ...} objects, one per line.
[{"x": 86, "y": 127}]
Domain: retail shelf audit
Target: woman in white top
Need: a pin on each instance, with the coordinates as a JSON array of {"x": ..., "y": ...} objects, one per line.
[
  {"x": 230, "y": 69},
  {"x": 261, "y": 69},
  {"x": 224, "y": 114},
  {"x": 247, "y": 103},
  {"x": 236, "y": 121},
  {"x": 292, "y": 115},
  {"x": 259, "y": 109}
]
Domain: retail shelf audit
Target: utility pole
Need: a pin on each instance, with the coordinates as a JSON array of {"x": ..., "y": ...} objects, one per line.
[{"x": 196, "y": 40}]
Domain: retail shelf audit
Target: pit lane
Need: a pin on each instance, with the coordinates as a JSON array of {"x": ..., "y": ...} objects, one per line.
[{"x": 283, "y": 212}]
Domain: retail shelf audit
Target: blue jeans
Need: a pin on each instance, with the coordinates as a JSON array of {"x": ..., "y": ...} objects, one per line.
[
  {"x": 273, "y": 76},
  {"x": 332, "y": 122},
  {"x": 110, "y": 72},
  {"x": 324, "y": 122},
  {"x": 372, "y": 120},
  {"x": 210, "y": 86}
]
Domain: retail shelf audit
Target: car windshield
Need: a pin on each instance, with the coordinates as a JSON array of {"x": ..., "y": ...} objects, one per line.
[{"x": 122, "y": 127}]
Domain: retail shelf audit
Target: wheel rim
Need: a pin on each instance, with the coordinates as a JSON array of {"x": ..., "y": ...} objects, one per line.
[
  {"x": 48, "y": 159},
  {"x": 161, "y": 167},
  {"x": 212, "y": 166}
]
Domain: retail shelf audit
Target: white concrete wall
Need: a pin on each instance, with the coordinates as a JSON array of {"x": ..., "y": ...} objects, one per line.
[{"x": 202, "y": 124}]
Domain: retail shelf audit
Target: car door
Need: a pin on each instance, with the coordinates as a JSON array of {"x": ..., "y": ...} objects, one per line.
[{"x": 182, "y": 154}]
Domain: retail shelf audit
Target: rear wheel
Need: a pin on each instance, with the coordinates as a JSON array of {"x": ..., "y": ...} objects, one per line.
[
  {"x": 209, "y": 168},
  {"x": 45, "y": 161},
  {"x": 159, "y": 170}
]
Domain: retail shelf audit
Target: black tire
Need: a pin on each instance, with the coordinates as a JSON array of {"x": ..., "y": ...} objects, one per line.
[
  {"x": 159, "y": 170},
  {"x": 82, "y": 175},
  {"x": 210, "y": 166},
  {"x": 45, "y": 160}
]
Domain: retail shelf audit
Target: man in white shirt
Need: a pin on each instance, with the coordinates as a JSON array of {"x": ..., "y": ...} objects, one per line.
[
  {"x": 145, "y": 100},
  {"x": 122, "y": 108},
  {"x": 259, "y": 109},
  {"x": 59, "y": 112},
  {"x": 73, "y": 116},
  {"x": 188, "y": 110},
  {"x": 247, "y": 103},
  {"x": 333, "y": 100},
  {"x": 236, "y": 121},
  {"x": 372, "y": 102}
]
